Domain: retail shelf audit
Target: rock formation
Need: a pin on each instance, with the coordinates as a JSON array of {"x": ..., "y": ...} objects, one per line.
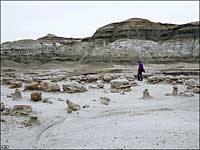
[
  {"x": 146, "y": 94},
  {"x": 72, "y": 106},
  {"x": 21, "y": 110},
  {"x": 125, "y": 41},
  {"x": 119, "y": 85},
  {"x": 15, "y": 85},
  {"x": 15, "y": 95},
  {"x": 73, "y": 87},
  {"x": 174, "y": 92}
]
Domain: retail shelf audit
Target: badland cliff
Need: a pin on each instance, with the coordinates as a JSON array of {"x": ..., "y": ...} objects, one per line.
[{"x": 120, "y": 42}]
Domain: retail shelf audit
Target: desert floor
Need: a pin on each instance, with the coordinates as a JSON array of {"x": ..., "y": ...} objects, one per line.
[{"x": 127, "y": 122}]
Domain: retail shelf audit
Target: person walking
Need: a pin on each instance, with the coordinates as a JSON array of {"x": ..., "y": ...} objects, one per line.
[{"x": 140, "y": 70}]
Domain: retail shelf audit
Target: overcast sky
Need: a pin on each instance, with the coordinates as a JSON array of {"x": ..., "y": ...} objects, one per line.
[{"x": 31, "y": 20}]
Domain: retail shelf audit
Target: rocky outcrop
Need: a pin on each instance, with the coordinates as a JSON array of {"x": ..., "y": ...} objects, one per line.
[
  {"x": 119, "y": 85},
  {"x": 125, "y": 41},
  {"x": 73, "y": 87}
]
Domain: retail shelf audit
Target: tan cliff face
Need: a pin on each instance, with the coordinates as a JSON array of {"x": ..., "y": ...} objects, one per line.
[{"x": 125, "y": 41}]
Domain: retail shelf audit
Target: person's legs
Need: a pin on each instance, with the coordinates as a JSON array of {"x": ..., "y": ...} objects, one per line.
[{"x": 140, "y": 76}]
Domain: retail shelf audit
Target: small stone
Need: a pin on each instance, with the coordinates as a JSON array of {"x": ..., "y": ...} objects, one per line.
[
  {"x": 146, "y": 94},
  {"x": 100, "y": 86},
  {"x": 86, "y": 106},
  {"x": 72, "y": 105},
  {"x": 59, "y": 99},
  {"x": 105, "y": 100},
  {"x": 122, "y": 92}
]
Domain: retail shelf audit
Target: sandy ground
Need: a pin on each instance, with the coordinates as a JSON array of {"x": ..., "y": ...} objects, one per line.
[{"x": 127, "y": 122}]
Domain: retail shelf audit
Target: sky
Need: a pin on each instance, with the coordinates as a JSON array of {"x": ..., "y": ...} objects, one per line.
[{"x": 79, "y": 19}]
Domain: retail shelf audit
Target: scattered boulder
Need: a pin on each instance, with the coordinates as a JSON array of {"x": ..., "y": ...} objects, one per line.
[
  {"x": 36, "y": 96},
  {"x": 16, "y": 95},
  {"x": 193, "y": 86},
  {"x": 50, "y": 87},
  {"x": 105, "y": 100},
  {"x": 33, "y": 86},
  {"x": 72, "y": 105},
  {"x": 16, "y": 84},
  {"x": 32, "y": 120},
  {"x": 58, "y": 78},
  {"x": 196, "y": 90},
  {"x": 79, "y": 79},
  {"x": 92, "y": 78},
  {"x": 119, "y": 82},
  {"x": 119, "y": 85},
  {"x": 190, "y": 82},
  {"x": 146, "y": 94},
  {"x": 155, "y": 79},
  {"x": 73, "y": 87},
  {"x": 107, "y": 78},
  {"x": 166, "y": 78},
  {"x": 21, "y": 110},
  {"x": 7, "y": 81},
  {"x": 186, "y": 93},
  {"x": 174, "y": 92}
]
